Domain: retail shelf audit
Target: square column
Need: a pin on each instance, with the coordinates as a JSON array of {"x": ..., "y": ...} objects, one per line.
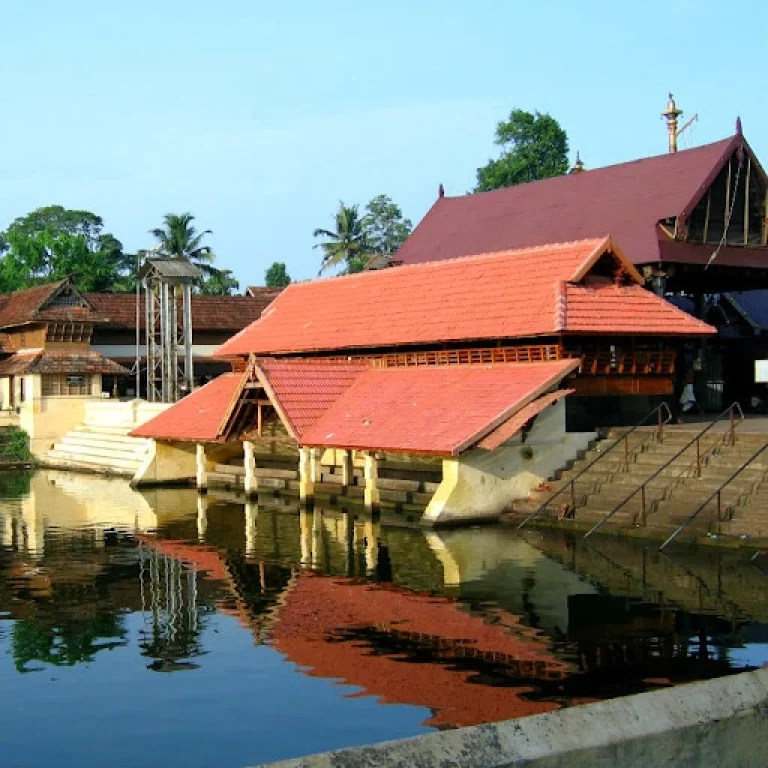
[
  {"x": 201, "y": 467},
  {"x": 372, "y": 496},
  {"x": 347, "y": 470},
  {"x": 306, "y": 474},
  {"x": 249, "y": 461}
]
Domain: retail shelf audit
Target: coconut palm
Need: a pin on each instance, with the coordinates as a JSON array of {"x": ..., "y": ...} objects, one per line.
[
  {"x": 346, "y": 245},
  {"x": 179, "y": 239}
]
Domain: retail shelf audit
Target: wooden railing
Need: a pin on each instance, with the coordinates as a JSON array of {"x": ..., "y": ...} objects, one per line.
[{"x": 605, "y": 363}]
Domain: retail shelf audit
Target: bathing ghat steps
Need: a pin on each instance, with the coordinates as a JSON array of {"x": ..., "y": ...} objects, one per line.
[
  {"x": 97, "y": 448},
  {"x": 672, "y": 495}
]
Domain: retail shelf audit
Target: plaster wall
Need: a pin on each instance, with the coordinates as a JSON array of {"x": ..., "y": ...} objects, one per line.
[
  {"x": 5, "y": 392},
  {"x": 121, "y": 413},
  {"x": 481, "y": 484},
  {"x": 167, "y": 463}
]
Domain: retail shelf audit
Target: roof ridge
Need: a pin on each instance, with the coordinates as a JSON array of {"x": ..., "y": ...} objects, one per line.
[
  {"x": 592, "y": 171},
  {"x": 562, "y": 245}
]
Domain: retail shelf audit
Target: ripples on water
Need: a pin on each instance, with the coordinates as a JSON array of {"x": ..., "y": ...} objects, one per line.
[{"x": 168, "y": 629}]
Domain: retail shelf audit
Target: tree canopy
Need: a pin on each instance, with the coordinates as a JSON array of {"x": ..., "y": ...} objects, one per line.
[
  {"x": 347, "y": 245},
  {"x": 277, "y": 276},
  {"x": 53, "y": 242},
  {"x": 386, "y": 228},
  {"x": 534, "y": 147}
]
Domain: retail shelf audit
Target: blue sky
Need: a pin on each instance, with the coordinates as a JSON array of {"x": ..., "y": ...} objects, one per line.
[{"x": 258, "y": 117}]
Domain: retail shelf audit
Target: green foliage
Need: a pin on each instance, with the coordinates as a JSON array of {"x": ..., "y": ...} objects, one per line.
[
  {"x": 220, "y": 283},
  {"x": 277, "y": 276},
  {"x": 15, "y": 484},
  {"x": 534, "y": 147},
  {"x": 53, "y": 242},
  {"x": 14, "y": 444},
  {"x": 347, "y": 245},
  {"x": 386, "y": 229}
]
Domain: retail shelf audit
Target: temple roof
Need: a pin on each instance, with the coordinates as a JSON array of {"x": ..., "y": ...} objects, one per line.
[
  {"x": 59, "y": 362},
  {"x": 628, "y": 200},
  {"x": 541, "y": 291}
]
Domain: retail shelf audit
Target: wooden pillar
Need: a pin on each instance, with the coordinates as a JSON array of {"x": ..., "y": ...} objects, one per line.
[
  {"x": 249, "y": 462},
  {"x": 347, "y": 469},
  {"x": 201, "y": 467},
  {"x": 306, "y": 474},
  {"x": 372, "y": 496}
]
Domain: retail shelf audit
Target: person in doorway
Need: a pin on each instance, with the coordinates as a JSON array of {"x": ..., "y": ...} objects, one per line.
[{"x": 688, "y": 403}]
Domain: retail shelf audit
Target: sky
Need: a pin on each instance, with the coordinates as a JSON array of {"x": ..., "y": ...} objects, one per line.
[{"x": 260, "y": 116}]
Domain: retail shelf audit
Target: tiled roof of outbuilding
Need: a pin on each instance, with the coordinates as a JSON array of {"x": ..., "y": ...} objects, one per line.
[
  {"x": 512, "y": 294},
  {"x": 59, "y": 361}
]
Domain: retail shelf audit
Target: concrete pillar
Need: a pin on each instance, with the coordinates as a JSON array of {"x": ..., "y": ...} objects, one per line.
[
  {"x": 372, "y": 529},
  {"x": 202, "y": 518},
  {"x": 372, "y": 496},
  {"x": 251, "y": 518},
  {"x": 317, "y": 538},
  {"x": 249, "y": 461},
  {"x": 307, "y": 472},
  {"x": 201, "y": 467},
  {"x": 347, "y": 470},
  {"x": 349, "y": 543}
]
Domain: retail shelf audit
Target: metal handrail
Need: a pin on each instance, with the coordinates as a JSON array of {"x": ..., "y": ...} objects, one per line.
[
  {"x": 716, "y": 493},
  {"x": 662, "y": 421},
  {"x": 729, "y": 411}
]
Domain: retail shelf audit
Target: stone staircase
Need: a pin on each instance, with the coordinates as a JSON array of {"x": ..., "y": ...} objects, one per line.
[
  {"x": 98, "y": 448},
  {"x": 672, "y": 494}
]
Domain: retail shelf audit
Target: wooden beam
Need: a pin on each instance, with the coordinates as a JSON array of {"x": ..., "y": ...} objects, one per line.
[
  {"x": 746, "y": 202},
  {"x": 259, "y": 419},
  {"x": 726, "y": 221},
  {"x": 706, "y": 216}
]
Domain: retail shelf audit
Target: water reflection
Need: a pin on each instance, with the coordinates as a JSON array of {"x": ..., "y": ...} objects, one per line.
[{"x": 466, "y": 626}]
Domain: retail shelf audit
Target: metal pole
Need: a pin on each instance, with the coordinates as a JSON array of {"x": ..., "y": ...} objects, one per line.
[
  {"x": 189, "y": 374},
  {"x": 626, "y": 451},
  {"x": 164, "y": 343},
  {"x": 733, "y": 428},
  {"x": 698, "y": 458},
  {"x": 642, "y": 496},
  {"x": 138, "y": 330}
]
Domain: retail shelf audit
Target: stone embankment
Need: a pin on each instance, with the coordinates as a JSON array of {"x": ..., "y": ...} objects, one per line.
[{"x": 713, "y": 724}]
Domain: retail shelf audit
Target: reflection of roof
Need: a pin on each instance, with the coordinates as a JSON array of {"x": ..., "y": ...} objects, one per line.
[
  {"x": 319, "y": 610},
  {"x": 511, "y": 294},
  {"x": 628, "y": 200},
  {"x": 209, "y": 313},
  {"x": 434, "y": 409},
  {"x": 58, "y": 361},
  {"x": 198, "y": 416}
]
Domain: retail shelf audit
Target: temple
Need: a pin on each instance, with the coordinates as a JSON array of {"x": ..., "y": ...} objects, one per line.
[{"x": 440, "y": 385}]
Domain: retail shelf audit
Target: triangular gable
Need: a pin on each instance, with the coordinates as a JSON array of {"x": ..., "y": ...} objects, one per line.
[{"x": 65, "y": 294}]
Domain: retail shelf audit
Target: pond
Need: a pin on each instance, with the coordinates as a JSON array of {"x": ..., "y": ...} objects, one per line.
[{"x": 168, "y": 629}]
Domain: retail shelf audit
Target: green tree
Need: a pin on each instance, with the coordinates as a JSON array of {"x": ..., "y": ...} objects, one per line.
[
  {"x": 277, "y": 276},
  {"x": 534, "y": 147},
  {"x": 221, "y": 283},
  {"x": 178, "y": 238},
  {"x": 386, "y": 228},
  {"x": 347, "y": 245},
  {"x": 53, "y": 242}
]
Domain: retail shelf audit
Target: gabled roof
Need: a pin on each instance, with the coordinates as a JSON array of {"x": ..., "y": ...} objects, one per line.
[
  {"x": 627, "y": 200},
  {"x": 199, "y": 416},
  {"x": 177, "y": 269},
  {"x": 209, "y": 313},
  {"x": 59, "y": 361},
  {"x": 532, "y": 292},
  {"x": 30, "y": 305},
  {"x": 434, "y": 409}
]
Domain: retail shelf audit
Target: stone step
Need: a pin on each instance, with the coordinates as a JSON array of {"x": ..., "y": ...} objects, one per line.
[
  {"x": 108, "y": 447},
  {"x": 98, "y": 429},
  {"x": 73, "y": 459},
  {"x": 105, "y": 452},
  {"x": 105, "y": 437},
  {"x": 612, "y": 495},
  {"x": 694, "y": 496}
]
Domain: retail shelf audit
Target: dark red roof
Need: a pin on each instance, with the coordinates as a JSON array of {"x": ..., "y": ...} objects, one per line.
[
  {"x": 59, "y": 361},
  {"x": 626, "y": 200},
  {"x": 209, "y": 313},
  {"x": 197, "y": 417},
  {"x": 537, "y": 291},
  {"x": 27, "y": 306}
]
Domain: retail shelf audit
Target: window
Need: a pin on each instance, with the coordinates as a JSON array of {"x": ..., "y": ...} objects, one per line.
[{"x": 65, "y": 385}]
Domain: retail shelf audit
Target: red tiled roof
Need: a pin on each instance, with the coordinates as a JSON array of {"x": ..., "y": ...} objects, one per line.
[
  {"x": 209, "y": 313},
  {"x": 303, "y": 390},
  {"x": 511, "y": 294},
  {"x": 434, "y": 409},
  {"x": 261, "y": 291},
  {"x": 513, "y": 425},
  {"x": 21, "y": 307},
  {"x": 199, "y": 416},
  {"x": 58, "y": 361},
  {"x": 627, "y": 200},
  {"x": 6, "y": 344}
]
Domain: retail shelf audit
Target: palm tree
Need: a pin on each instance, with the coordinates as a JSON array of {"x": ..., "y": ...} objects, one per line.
[
  {"x": 178, "y": 239},
  {"x": 348, "y": 244}
]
